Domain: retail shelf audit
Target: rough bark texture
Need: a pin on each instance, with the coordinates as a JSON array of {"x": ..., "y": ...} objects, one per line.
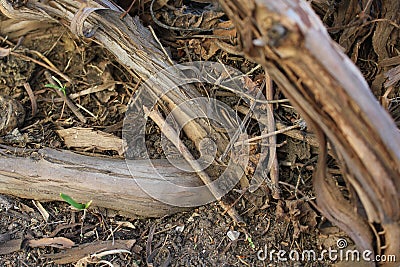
[
  {"x": 108, "y": 182},
  {"x": 289, "y": 40}
]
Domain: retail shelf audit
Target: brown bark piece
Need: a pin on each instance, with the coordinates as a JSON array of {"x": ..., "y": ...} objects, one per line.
[{"x": 88, "y": 138}]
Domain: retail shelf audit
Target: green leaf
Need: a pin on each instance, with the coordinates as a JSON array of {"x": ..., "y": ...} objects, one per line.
[
  {"x": 49, "y": 85},
  {"x": 73, "y": 203},
  {"x": 59, "y": 87},
  {"x": 63, "y": 90},
  {"x": 88, "y": 204},
  {"x": 251, "y": 243}
]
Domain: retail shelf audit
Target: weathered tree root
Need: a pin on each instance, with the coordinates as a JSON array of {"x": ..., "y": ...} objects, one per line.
[
  {"x": 288, "y": 39},
  {"x": 44, "y": 174}
]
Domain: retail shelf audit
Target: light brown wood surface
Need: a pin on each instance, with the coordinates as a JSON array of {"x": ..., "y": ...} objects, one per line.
[{"x": 107, "y": 182}]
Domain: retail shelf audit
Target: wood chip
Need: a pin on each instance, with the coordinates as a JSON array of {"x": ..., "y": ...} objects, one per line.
[{"x": 77, "y": 137}]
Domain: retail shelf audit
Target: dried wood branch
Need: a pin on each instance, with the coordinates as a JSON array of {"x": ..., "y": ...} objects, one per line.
[
  {"x": 289, "y": 40},
  {"x": 274, "y": 172},
  {"x": 174, "y": 138},
  {"x": 108, "y": 182}
]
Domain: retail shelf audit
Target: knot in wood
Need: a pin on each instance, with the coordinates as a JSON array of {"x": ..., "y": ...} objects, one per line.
[{"x": 276, "y": 34}]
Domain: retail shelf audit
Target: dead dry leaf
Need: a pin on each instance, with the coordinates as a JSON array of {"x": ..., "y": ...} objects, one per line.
[
  {"x": 25, "y": 208},
  {"x": 299, "y": 213},
  {"x": 57, "y": 242},
  {"x": 225, "y": 29},
  {"x": 208, "y": 49},
  {"x": 9, "y": 246},
  {"x": 81, "y": 251}
]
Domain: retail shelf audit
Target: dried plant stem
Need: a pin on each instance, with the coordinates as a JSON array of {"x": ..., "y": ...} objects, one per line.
[
  {"x": 173, "y": 136},
  {"x": 273, "y": 159}
]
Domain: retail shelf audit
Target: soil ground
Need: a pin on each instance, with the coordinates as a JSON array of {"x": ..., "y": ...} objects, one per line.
[{"x": 199, "y": 237}]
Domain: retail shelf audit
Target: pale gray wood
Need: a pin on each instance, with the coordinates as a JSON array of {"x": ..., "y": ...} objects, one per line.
[{"x": 107, "y": 182}]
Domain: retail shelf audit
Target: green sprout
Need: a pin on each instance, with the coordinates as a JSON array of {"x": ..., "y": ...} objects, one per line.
[
  {"x": 59, "y": 87},
  {"x": 73, "y": 203},
  {"x": 251, "y": 242}
]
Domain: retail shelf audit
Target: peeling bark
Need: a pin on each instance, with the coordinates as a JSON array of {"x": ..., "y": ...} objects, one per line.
[
  {"x": 289, "y": 40},
  {"x": 43, "y": 175}
]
